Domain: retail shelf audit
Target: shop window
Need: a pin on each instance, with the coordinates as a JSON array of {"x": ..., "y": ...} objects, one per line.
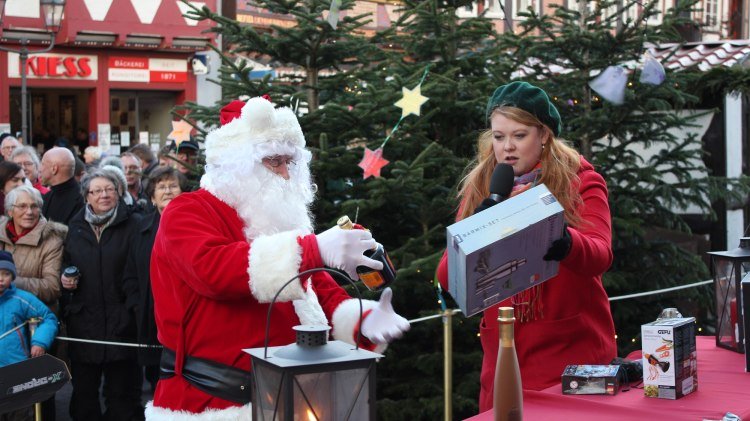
[
  {"x": 493, "y": 9},
  {"x": 711, "y": 14}
]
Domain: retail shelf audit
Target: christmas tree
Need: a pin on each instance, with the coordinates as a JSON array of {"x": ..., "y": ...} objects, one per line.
[
  {"x": 348, "y": 86},
  {"x": 350, "y": 105}
]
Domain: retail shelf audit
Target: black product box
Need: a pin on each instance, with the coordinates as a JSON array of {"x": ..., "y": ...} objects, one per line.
[
  {"x": 745, "y": 286},
  {"x": 590, "y": 380}
]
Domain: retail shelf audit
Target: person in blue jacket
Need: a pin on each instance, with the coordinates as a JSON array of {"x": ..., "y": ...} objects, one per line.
[{"x": 16, "y": 307}]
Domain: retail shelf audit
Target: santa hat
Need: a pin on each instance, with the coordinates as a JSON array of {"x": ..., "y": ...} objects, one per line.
[{"x": 255, "y": 125}]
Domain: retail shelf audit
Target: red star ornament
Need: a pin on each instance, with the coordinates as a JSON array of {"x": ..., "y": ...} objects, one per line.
[{"x": 372, "y": 162}]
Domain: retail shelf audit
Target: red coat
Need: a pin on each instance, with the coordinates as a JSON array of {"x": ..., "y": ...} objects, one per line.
[
  {"x": 201, "y": 257},
  {"x": 577, "y": 326}
]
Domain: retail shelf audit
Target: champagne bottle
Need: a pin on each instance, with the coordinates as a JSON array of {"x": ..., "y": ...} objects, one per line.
[
  {"x": 508, "y": 395},
  {"x": 374, "y": 280}
]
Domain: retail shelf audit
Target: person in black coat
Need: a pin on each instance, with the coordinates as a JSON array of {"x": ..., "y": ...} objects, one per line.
[
  {"x": 165, "y": 183},
  {"x": 94, "y": 305},
  {"x": 64, "y": 199}
]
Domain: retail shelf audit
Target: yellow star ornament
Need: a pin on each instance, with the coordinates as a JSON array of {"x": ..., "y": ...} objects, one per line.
[
  {"x": 180, "y": 132},
  {"x": 412, "y": 101}
]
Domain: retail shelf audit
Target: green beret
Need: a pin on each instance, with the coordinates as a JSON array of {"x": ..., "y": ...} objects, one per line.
[{"x": 529, "y": 98}]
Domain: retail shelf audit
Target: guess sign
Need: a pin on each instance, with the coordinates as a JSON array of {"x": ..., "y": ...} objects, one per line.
[{"x": 55, "y": 66}]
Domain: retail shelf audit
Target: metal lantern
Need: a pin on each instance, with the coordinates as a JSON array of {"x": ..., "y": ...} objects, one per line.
[
  {"x": 52, "y": 10},
  {"x": 729, "y": 269},
  {"x": 313, "y": 379}
]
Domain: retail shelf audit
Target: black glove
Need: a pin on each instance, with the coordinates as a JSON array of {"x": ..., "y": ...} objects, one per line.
[
  {"x": 560, "y": 247},
  {"x": 486, "y": 204}
]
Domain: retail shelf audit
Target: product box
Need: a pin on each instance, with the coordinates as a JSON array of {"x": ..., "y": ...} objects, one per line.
[
  {"x": 498, "y": 252},
  {"x": 670, "y": 363},
  {"x": 590, "y": 380}
]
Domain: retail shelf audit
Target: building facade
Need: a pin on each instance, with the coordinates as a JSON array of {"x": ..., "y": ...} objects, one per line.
[{"x": 117, "y": 69}]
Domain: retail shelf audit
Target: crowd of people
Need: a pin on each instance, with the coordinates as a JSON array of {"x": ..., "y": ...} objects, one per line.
[
  {"x": 97, "y": 220},
  {"x": 194, "y": 280}
]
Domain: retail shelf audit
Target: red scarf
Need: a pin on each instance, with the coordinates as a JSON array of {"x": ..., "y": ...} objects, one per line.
[
  {"x": 528, "y": 304},
  {"x": 10, "y": 228}
]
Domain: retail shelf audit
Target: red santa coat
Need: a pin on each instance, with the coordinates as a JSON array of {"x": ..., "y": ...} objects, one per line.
[
  {"x": 201, "y": 259},
  {"x": 577, "y": 326}
]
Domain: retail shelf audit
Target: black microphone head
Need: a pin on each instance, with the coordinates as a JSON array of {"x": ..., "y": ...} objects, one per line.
[{"x": 502, "y": 180}]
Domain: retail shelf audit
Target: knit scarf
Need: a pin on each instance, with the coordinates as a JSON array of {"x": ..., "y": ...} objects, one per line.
[
  {"x": 13, "y": 236},
  {"x": 528, "y": 304},
  {"x": 99, "y": 222}
]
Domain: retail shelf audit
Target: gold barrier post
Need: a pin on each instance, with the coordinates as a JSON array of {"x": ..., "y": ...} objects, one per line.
[
  {"x": 33, "y": 323},
  {"x": 448, "y": 363}
]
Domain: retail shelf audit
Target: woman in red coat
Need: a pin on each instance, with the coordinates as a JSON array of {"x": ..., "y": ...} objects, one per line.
[{"x": 567, "y": 319}]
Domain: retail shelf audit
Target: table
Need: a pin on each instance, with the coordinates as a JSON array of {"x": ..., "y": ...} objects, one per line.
[{"x": 723, "y": 386}]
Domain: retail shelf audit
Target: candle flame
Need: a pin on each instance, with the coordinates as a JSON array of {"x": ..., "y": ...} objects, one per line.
[{"x": 311, "y": 416}]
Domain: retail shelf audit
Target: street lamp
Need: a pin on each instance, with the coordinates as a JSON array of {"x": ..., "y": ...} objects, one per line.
[{"x": 52, "y": 11}]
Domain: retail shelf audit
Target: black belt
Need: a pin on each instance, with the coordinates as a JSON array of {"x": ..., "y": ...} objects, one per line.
[{"x": 216, "y": 379}]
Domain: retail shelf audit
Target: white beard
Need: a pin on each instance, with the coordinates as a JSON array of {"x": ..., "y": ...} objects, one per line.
[{"x": 265, "y": 202}]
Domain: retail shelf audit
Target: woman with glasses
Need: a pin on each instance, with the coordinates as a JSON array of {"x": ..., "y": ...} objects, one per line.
[
  {"x": 36, "y": 244},
  {"x": 94, "y": 304},
  {"x": 164, "y": 184}
]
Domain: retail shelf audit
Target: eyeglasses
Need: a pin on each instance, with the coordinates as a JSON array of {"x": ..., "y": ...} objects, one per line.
[
  {"x": 98, "y": 192},
  {"x": 167, "y": 187},
  {"x": 23, "y": 207},
  {"x": 26, "y": 164},
  {"x": 276, "y": 161}
]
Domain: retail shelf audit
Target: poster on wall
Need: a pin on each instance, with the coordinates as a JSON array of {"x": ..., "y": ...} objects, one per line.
[
  {"x": 143, "y": 137},
  {"x": 125, "y": 139},
  {"x": 103, "y": 132}
]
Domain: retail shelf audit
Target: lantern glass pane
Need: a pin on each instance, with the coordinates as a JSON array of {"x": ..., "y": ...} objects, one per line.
[
  {"x": 725, "y": 281},
  {"x": 53, "y": 16},
  {"x": 336, "y": 395},
  {"x": 268, "y": 399}
]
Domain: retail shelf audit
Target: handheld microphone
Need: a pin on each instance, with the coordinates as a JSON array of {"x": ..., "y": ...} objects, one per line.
[{"x": 501, "y": 185}]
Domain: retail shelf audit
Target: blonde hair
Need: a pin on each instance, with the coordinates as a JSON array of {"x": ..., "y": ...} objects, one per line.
[{"x": 560, "y": 165}]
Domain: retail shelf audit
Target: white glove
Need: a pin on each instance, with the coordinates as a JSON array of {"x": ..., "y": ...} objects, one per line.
[
  {"x": 342, "y": 249},
  {"x": 383, "y": 325}
]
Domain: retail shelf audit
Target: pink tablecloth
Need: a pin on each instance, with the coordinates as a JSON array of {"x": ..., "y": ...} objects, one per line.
[{"x": 723, "y": 386}]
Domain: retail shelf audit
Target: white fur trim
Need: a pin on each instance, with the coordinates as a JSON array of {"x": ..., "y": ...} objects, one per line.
[
  {"x": 258, "y": 123},
  {"x": 274, "y": 260},
  {"x": 308, "y": 309},
  {"x": 234, "y": 413},
  {"x": 346, "y": 319}
]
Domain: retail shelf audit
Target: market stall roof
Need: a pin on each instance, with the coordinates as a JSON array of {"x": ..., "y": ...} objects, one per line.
[
  {"x": 673, "y": 56},
  {"x": 704, "y": 55}
]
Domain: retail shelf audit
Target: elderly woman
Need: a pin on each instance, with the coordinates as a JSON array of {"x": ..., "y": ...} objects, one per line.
[
  {"x": 164, "y": 184},
  {"x": 94, "y": 304},
  {"x": 36, "y": 244},
  {"x": 11, "y": 176},
  {"x": 26, "y": 157}
]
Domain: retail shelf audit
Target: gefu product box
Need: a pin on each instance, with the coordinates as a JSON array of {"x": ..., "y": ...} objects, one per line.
[
  {"x": 497, "y": 253},
  {"x": 670, "y": 362},
  {"x": 590, "y": 380}
]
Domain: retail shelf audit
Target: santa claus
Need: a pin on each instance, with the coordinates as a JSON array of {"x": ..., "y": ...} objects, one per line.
[{"x": 223, "y": 252}]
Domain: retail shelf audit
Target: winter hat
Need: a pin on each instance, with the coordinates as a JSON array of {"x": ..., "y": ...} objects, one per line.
[
  {"x": 6, "y": 262},
  {"x": 255, "y": 125},
  {"x": 529, "y": 98}
]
